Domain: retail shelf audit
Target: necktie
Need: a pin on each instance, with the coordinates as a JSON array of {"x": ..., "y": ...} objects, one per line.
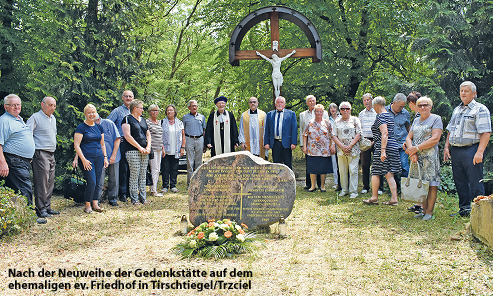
[{"x": 277, "y": 125}]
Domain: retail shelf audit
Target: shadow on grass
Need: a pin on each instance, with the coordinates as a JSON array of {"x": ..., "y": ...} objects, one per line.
[{"x": 353, "y": 213}]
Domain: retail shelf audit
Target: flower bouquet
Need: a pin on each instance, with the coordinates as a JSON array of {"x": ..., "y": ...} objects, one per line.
[{"x": 220, "y": 239}]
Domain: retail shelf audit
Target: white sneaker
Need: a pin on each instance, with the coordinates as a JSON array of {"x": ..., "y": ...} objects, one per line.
[
  {"x": 364, "y": 191},
  {"x": 380, "y": 192},
  {"x": 353, "y": 195},
  {"x": 342, "y": 193},
  {"x": 158, "y": 194},
  {"x": 335, "y": 186},
  {"x": 164, "y": 190},
  {"x": 174, "y": 189}
]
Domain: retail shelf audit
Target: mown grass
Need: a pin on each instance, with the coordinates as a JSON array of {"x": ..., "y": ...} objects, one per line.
[{"x": 335, "y": 246}]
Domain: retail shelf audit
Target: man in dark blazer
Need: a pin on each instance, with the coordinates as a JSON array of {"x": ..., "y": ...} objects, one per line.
[{"x": 281, "y": 133}]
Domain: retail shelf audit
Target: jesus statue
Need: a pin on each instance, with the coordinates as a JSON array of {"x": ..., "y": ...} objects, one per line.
[{"x": 276, "y": 70}]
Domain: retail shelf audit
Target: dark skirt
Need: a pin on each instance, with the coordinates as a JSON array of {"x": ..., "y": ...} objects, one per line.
[{"x": 318, "y": 165}]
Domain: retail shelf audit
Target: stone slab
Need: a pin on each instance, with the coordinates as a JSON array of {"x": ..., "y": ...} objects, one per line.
[
  {"x": 482, "y": 221},
  {"x": 241, "y": 187}
]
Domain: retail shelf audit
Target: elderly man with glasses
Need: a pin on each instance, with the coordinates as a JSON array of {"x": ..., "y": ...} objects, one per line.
[{"x": 402, "y": 124}]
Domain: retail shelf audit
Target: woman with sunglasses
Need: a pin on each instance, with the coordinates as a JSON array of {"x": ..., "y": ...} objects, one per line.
[
  {"x": 346, "y": 134},
  {"x": 423, "y": 141}
]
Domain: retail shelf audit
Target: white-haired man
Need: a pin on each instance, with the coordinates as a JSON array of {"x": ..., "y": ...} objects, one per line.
[{"x": 469, "y": 132}]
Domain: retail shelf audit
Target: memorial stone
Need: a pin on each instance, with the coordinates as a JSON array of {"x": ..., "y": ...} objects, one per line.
[{"x": 241, "y": 187}]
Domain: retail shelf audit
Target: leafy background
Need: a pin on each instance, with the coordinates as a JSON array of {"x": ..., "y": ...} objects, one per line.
[{"x": 176, "y": 50}]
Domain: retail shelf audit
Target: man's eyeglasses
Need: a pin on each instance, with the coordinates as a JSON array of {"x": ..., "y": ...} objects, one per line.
[
  {"x": 14, "y": 105},
  {"x": 252, "y": 102},
  {"x": 345, "y": 109},
  {"x": 423, "y": 105}
]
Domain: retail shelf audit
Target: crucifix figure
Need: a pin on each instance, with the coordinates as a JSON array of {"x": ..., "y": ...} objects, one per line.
[
  {"x": 274, "y": 13},
  {"x": 276, "y": 68}
]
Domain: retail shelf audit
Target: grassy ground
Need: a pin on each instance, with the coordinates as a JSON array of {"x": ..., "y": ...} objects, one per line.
[{"x": 336, "y": 246}]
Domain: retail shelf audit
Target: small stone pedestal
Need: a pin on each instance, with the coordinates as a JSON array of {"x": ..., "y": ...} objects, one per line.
[{"x": 482, "y": 221}]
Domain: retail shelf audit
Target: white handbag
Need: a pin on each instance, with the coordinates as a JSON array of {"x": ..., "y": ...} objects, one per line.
[{"x": 415, "y": 190}]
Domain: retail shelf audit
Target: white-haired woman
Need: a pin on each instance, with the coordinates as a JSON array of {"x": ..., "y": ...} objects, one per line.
[
  {"x": 346, "y": 134},
  {"x": 317, "y": 147},
  {"x": 422, "y": 141},
  {"x": 156, "y": 131},
  {"x": 386, "y": 159}
]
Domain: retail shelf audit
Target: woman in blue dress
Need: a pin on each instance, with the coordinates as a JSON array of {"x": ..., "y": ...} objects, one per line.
[{"x": 386, "y": 159}]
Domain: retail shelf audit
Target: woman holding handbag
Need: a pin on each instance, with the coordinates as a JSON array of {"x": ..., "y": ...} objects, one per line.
[{"x": 423, "y": 139}]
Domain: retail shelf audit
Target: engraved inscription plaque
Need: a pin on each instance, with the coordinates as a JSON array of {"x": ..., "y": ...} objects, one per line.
[{"x": 241, "y": 187}]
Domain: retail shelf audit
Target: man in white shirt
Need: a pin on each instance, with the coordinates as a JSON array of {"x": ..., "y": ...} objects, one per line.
[{"x": 367, "y": 117}]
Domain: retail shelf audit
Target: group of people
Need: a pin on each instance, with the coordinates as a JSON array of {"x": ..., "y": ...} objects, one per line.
[
  {"x": 394, "y": 141},
  {"x": 127, "y": 144}
]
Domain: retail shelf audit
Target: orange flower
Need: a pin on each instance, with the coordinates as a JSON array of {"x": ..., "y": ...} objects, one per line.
[
  {"x": 211, "y": 224},
  {"x": 241, "y": 231},
  {"x": 229, "y": 223},
  {"x": 200, "y": 235},
  {"x": 228, "y": 234},
  {"x": 211, "y": 220},
  {"x": 244, "y": 225},
  {"x": 191, "y": 233}
]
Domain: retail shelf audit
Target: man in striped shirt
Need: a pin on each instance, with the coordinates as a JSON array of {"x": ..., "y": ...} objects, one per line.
[{"x": 469, "y": 131}]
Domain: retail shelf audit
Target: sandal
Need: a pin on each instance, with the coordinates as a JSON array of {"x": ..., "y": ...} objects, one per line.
[
  {"x": 370, "y": 202},
  {"x": 415, "y": 209},
  {"x": 390, "y": 203}
]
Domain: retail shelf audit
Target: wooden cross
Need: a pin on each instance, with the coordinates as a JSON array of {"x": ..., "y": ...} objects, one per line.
[
  {"x": 241, "y": 194},
  {"x": 314, "y": 52},
  {"x": 274, "y": 36}
]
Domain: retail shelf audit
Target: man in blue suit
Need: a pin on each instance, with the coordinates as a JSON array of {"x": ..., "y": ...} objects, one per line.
[{"x": 281, "y": 133}]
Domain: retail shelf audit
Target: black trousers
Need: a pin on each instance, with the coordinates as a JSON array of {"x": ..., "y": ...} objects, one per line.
[
  {"x": 169, "y": 171},
  {"x": 281, "y": 154}
]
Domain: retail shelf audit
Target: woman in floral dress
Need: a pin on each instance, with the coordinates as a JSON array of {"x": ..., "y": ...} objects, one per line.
[
  {"x": 317, "y": 145},
  {"x": 423, "y": 141}
]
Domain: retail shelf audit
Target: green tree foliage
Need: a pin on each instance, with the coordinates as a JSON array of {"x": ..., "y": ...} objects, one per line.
[
  {"x": 366, "y": 48},
  {"x": 171, "y": 51}
]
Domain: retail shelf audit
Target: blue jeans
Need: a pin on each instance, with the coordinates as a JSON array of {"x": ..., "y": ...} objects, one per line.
[
  {"x": 466, "y": 175},
  {"x": 93, "y": 177},
  {"x": 113, "y": 179},
  {"x": 404, "y": 163}
]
